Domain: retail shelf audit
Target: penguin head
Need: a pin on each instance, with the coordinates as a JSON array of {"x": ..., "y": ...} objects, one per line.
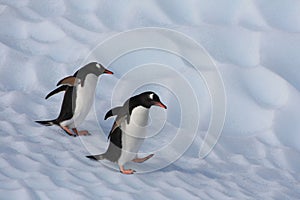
[
  {"x": 97, "y": 69},
  {"x": 93, "y": 68},
  {"x": 148, "y": 99}
]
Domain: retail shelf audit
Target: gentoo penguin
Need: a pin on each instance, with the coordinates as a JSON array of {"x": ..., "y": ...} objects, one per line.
[
  {"x": 129, "y": 130},
  {"x": 78, "y": 99}
]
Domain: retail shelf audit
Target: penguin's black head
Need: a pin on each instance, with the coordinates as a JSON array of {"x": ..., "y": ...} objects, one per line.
[
  {"x": 94, "y": 68},
  {"x": 148, "y": 99}
]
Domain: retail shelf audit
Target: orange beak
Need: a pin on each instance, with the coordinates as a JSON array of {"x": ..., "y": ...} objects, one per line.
[
  {"x": 161, "y": 105},
  {"x": 106, "y": 71}
]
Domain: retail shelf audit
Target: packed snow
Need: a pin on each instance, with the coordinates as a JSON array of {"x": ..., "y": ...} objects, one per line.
[{"x": 254, "y": 45}]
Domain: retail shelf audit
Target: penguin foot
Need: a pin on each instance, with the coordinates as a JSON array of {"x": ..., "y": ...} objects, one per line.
[
  {"x": 140, "y": 160},
  {"x": 126, "y": 171},
  {"x": 68, "y": 131},
  {"x": 84, "y": 132}
]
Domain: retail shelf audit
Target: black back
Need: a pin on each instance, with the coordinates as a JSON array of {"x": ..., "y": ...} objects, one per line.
[
  {"x": 114, "y": 149},
  {"x": 68, "y": 105}
]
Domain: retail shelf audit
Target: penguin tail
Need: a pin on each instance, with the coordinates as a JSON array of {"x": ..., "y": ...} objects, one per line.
[
  {"x": 96, "y": 157},
  {"x": 47, "y": 123}
]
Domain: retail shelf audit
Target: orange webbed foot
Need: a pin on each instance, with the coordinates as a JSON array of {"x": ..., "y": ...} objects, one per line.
[
  {"x": 140, "y": 160},
  {"x": 126, "y": 171},
  {"x": 80, "y": 133}
]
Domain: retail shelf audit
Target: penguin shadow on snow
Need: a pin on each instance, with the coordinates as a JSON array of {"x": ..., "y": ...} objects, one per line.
[
  {"x": 129, "y": 130},
  {"x": 78, "y": 98}
]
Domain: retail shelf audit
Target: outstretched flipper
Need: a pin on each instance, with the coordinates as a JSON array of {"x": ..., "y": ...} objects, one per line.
[
  {"x": 121, "y": 111},
  {"x": 57, "y": 90},
  {"x": 69, "y": 81},
  {"x": 113, "y": 112}
]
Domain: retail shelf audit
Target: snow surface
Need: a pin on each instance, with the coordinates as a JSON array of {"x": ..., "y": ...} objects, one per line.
[{"x": 255, "y": 45}]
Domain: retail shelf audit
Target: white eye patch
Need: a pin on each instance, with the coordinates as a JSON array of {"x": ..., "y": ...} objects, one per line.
[
  {"x": 97, "y": 65},
  {"x": 151, "y": 96}
]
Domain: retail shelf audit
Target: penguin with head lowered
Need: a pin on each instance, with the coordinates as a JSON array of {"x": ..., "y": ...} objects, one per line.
[
  {"x": 78, "y": 98},
  {"x": 129, "y": 130}
]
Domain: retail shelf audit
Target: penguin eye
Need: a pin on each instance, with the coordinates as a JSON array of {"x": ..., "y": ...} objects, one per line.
[
  {"x": 97, "y": 65},
  {"x": 151, "y": 96}
]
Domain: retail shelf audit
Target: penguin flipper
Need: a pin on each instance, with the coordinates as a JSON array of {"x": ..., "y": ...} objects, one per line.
[
  {"x": 69, "y": 81},
  {"x": 113, "y": 112},
  {"x": 57, "y": 90}
]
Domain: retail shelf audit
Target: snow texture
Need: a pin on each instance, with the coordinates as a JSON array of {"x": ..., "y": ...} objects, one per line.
[{"x": 255, "y": 45}]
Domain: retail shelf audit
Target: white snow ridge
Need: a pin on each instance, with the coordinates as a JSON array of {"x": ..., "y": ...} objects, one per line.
[{"x": 255, "y": 45}]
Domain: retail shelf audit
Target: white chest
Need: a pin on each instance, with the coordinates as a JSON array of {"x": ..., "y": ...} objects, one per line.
[
  {"x": 133, "y": 134},
  {"x": 85, "y": 97},
  {"x": 138, "y": 122}
]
